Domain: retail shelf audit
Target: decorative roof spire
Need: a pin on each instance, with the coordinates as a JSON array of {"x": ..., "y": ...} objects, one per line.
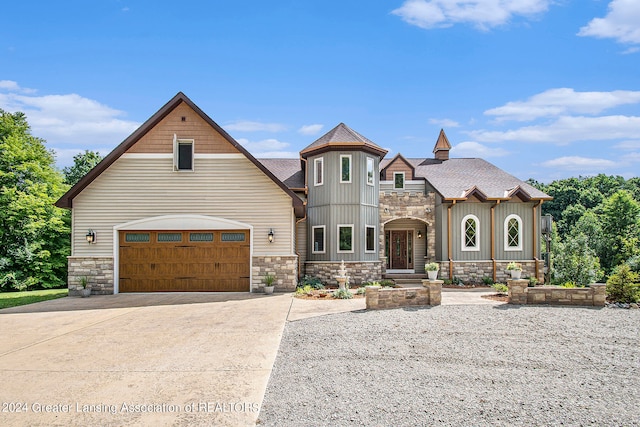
[{"x": 442, "y": 147}]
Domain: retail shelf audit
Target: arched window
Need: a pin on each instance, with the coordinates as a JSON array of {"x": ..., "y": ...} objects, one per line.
[
  {"x": 470, "y": 233},
  {"x": 513, "y": 233}
]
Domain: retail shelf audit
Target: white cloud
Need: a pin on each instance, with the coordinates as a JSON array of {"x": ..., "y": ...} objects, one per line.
[
  {"x": 577, "y": 163},
  {"x": 562, "y": 101},
  {"x": 11, "y": 86},
  {"x": 474, "y": 149},
  {"x": 69, "y": 123},
  {"x": 268, "y": 148},
  {"x": 628, "y": 145},
  {"x": 249, "y": 126},
  {"x": 622, "y": 23},
  {"x": 310, "y": 129},
  {"x": 484, "y": 14},
  {"x": 567, "y": 129},
  {"x": 445, "y": 123}
]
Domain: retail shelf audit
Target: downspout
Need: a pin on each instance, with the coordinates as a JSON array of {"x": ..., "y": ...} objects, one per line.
[
  {"x": 535, "y": 237},
  {"x": 306, "y": 194},
  {"x": 493, "y": 239},
  {"x": 449, "y": 249}
]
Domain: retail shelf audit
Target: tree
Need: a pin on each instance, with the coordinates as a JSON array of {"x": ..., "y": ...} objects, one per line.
[
  {"x": 623, "y": 285},
  {"x": 575, "y": 261},
  {"x": 34, "y": 233},
  {"x": 620, "y": 229},
  {"x": 82, "y": 164}
]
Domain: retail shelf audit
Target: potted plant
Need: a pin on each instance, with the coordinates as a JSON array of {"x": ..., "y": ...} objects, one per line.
[
  {"x": 515, "y": 269},
  {"x": 268, "y": 283},
  {"x": 85, "y": 288},
  {"x": 432, "y": 270}
]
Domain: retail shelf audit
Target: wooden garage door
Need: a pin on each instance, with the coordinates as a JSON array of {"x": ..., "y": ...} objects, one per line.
[{"x": 184, "y": 261}]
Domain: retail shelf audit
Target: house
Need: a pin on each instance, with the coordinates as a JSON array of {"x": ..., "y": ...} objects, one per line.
[{"x": 181, "y": 206}]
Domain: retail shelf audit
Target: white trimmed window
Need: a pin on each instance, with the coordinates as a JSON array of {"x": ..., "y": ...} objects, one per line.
[
  {"x": 182, "y": 154},
  {"x": 319, "y": 239},
  {"x": 318, "y": 171},
  {"x": 345, "y": 238},
  {"x": 370, "y": 239},
  {"x": 513, "y": 233},
  {"x": 345, "y": 168},
  {"x": 370, "y": 171},
  {"x": 470, "y": 233},
  {"x": 398, "y": 180}
]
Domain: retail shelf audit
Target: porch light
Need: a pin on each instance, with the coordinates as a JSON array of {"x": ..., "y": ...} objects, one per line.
[
  {"x": 419, "y": 234},
  {"x": 270, "y": 235},
  {"x": 91, "y": 236}
]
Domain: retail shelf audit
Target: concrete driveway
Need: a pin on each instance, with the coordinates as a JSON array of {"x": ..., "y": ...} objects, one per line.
[{"x": 139, "y": 359}]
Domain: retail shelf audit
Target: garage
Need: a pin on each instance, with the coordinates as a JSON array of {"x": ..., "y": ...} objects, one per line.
[{"x": 184, "y": 261}]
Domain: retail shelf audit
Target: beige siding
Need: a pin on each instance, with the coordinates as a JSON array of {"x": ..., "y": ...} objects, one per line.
[{"x": 135, "y": 188}]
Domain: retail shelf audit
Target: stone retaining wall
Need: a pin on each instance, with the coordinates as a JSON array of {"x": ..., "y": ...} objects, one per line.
[
  {"x": 474, "y": 271},
  {"x": 519, "y": 293},
  {"x": 285, "y": 268},
  {"x": 358, "y": 272},
  {"x": 98, "y": 271},
  {"x": 430, "y": 293}
]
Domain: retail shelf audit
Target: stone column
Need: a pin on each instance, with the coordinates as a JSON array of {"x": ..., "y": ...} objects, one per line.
[
  {"x": 435, "y": 290},
  {"x": 517, "y": 291},
  {"x": 599, "y": 294},
  {"x": 371, "y": 294}
]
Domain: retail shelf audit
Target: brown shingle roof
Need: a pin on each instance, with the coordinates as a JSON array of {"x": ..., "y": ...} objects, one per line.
[
  {"x": 287, "y": 171},
  {"x": 342, "y": 136}
]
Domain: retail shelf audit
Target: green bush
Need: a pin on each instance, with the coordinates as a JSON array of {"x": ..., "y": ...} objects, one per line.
[
  {"x": 488, "y": 281},
  {"x": 623, "y": 285},
  {"x": 500, "y": 287},
  {"x": 457, "y": 281},
  {"x": 343, "y": 294},
  {"x": 532, "y": 281},
  {"x": 386, "y": 283},
  {"x": 312, "y": 281},
  {"x": 361, "y": 290},
  {"x": 570, "y": 284}
]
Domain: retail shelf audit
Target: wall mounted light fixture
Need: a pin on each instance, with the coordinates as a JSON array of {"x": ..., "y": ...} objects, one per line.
[
  {"x": 91, "y": 236},
  {"x": 419, "y": 234},
  {"x": 270, "y": 235},
  {"x": 428, "y": 210}
]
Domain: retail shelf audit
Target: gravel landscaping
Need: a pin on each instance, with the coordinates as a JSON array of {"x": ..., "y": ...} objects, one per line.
[{"x": 459, "y": 365}]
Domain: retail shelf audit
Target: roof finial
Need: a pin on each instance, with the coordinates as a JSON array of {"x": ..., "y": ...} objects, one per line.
[{"x": 442, "y": 147}]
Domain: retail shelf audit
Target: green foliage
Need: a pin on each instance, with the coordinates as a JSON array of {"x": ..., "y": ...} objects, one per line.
[
  {"x": 623, "y": 285},
  {"x": 387, "y": 283},
  {"x": 361, "y": 290},
  {"x": 488, "y": 281},
  {"x": 570, "y": 285},
  {"x": 514, "y": 266},
  {"x": 82, "y": 164},
  {"x": 532, "y": 281},
  {"x": 456, "y": 281},
  {"x": 575, "y": 261},
  {"x": 34, "y": 233},
  {"x": 83, "y": 282},
  {"x": 314, "y": 282},
  {"x": 374, "y": 283},
  {"x": 620, "y": 224},
  {"x": 343, "y": 294},
  {"x": 500, "y": 288},
  {"x": 432, "y": 266},
  {"x": 269, "y": 279},
  {"x": 305, "y": 290}
]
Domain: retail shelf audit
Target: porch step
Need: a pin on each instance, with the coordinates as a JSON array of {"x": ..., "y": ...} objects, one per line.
[{"x": 406, "y": 279}]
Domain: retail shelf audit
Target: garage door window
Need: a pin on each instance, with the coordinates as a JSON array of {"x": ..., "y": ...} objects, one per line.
[
  {"x": 169, "y": 237},
  {"x": 233, "y": 237},
  {"x": 137, "y": 237},
  {"x": 201, "y": 237}
]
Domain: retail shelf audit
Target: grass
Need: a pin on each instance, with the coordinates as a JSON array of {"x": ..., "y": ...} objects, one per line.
[{"x": 14, "y": 299}]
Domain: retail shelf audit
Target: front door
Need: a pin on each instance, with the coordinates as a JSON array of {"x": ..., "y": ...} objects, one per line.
[{"x": 398, "y": 249}]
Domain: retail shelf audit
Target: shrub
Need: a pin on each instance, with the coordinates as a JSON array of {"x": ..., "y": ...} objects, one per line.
[
  {"x": 361, "y": 290},
  {"x": 532, "y": 281},
  {"x": 312, "y": 281},
  {"x": 623, "y": 285},
  {"x": 457, "y": 281},
  {"x": 343, "y": 294},
  {"x": 514, "y": 266},
  {"x": 500, "y": 288},
  {"x": 570, "y": 284},
  {"x": 432, "y": 266},
  {"x": 374, "y": 283},
  {"x": 386, "y": 283},
  {"x": 269, "y": 279},
  {"x": 488, "y": 281}
]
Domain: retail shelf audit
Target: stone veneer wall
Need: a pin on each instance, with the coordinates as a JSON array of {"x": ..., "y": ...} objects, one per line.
[
  {"x": 358, "y": 271},
  {"x": 519, "y": 293},
  {"x": 378, "y": 298},
  {"x": 398, "y": 205},
  {"x": 99, "y": 271},
  {"x": 285, "y": 268},
  {"x": 474, "y": 271}
]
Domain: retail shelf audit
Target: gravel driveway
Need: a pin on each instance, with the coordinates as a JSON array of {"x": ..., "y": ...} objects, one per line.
[{"x": 458, "y": 365}]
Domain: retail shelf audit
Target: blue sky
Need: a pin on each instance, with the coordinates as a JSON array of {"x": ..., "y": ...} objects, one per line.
[{"x": 544, "y": 89}]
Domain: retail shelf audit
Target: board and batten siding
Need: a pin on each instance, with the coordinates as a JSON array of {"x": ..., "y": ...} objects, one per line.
[
  {"x": 525, "y": 212},
  {"x": 138, "y": 186},
  {"x": 483, "y": 212}
]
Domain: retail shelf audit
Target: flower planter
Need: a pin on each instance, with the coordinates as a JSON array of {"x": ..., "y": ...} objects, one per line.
[
  {"x": 515, "y": 274},
  {"x": 268, "y": 290},
  {"x": 85, "y": 292},
  {"x": 433, "y": 275}
]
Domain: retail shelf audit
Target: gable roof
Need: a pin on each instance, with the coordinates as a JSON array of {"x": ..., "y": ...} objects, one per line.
[
  {"x": 286, "y": 170},
  {"x": 66, "y": 201},
  {"x": 342, "y": 137},
  {"x": 396, "y": 158}
]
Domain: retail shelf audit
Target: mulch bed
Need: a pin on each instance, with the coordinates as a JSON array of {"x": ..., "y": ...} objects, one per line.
[
  {"x": 496, "y": 297},
  {"x": 325, "y": 294}
]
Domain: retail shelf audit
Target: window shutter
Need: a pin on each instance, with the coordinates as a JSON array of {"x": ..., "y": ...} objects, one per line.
[{"x": 175, "y": 152}]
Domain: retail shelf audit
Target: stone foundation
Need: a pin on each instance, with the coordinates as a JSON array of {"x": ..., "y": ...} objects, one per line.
[
  {"x": 98, "y": 271},
  {"x": 519, "y": 293},
  {"x": 474, "y": 271},
  {"x": 378, "y": 298},
  {"x": 358, "y": 271},
  {"x": 285, "y": 268}
]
